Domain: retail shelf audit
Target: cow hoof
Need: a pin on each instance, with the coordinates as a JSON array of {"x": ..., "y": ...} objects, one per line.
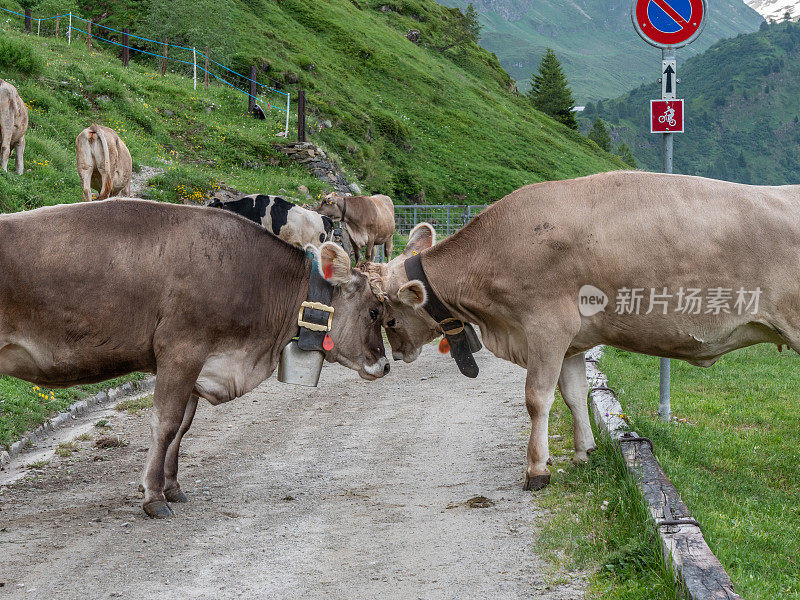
[
  {"x": 549, "y": 460},
  {"x": 175, "y": 495},
  {"x": 141, "y": 488},
  {"x": 158, "y": 509},
  {"x": 536, "y": 482}
]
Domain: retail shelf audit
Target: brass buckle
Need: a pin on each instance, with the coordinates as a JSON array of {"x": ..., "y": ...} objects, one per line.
[
  {"x": 454, "y": 331},
  {"x": 315, "y": 306}
]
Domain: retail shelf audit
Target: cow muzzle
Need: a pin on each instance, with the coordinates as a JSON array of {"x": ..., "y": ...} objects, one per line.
[{"x": 376, "y": 369}]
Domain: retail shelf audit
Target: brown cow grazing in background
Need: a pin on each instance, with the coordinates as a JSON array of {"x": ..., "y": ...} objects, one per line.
[
  {"x": 205, "y": 299},
  {"x": 13, "y": 125},
  {"x": 369, "y": 221},
  {"x": 104, "y": 163}
]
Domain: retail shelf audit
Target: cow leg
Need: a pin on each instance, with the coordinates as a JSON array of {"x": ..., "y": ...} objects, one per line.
[
  {"x": 546, "y": 350},
  {"x": 172, "y": 489},
  {"x": 173, "y": 391},
  {"x": 5, "y": 152},
  {"x": 86, "y": 183},
  {"x": 369, "y": 251},
  {"x": 20, "y": 150},
  {"x": 388, "y": 247},
  {"x": 575, "y": 390}
]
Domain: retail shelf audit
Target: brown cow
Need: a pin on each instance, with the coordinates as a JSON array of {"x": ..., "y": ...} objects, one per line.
[
  {"x": 104, "y": 163},
  {"x": 13, "y": 125},
  {"x": 667, "y": 265},
  {"x": 369, "y": 221},
  {"x": 203, "y": 298}
]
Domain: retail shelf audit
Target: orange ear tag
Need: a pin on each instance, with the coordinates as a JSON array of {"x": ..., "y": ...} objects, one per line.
[
  {"x": 327, "y": 343},
  {"x": 328, "y": 273},
  {"x": 444, "y": 346}
]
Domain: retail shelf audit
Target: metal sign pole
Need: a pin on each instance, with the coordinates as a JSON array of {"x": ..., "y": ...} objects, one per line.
[{"x": 668, "y": 92}]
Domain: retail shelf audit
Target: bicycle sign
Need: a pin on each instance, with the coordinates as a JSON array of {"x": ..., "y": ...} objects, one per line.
[
  {"x": 666, "y": 116},
  {"x": 669, "y": 23}
]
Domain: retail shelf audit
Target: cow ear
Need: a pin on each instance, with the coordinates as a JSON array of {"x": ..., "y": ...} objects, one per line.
[
  {"x": 334, "y": 263},
  {"x": 422, "y": 237},
  {"x": 413, "y": 294}
]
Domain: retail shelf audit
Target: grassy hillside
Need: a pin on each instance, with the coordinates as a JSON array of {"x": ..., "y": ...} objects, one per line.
[
  {"x": 742, "y": 111},
  {"x": 412, "y": 120},
  {"x": 602, "y": 55}
]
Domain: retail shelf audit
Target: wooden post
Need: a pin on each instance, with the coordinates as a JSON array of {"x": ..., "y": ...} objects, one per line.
[
  {"x": 164, "y": 60},
  {"x": 89, "y": 34},
  {"x": 252, "y": 99},
  {"x": 58, "y": 19},
  {"x": 126, "y": 51},
  {"x": 301, "y": 115},
  {"x": 208, "y": 58},
  {"x": 27, "y": 20}
]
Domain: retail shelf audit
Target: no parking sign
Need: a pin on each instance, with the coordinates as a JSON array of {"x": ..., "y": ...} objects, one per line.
[{"x": 669, "y": 23}]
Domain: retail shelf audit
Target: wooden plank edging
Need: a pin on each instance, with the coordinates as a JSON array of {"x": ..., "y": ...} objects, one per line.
[{"x": 684, "y": 548}]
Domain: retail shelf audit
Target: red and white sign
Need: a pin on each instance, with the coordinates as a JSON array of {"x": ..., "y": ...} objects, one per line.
[
  {"x": 666, "y": 116},
  {"x": 669, "y": 23}
]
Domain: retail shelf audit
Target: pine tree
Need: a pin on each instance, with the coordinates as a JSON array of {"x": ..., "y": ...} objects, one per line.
[
  {"x": 471, "y": 23},
  {"x": 550, "y": 92},
  {"x": 624, "y": 152},
  {"x": 599, "y": 134}
]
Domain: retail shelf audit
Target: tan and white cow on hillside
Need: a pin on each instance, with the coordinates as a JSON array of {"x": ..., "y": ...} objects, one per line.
[
  {"x": 104, "y": 163},
  {"x": 369, "y": 221},
  {"x": 667, "y": 265},
  {"x": 205, "y": 299},
  {"x": 13, "y": 125}
]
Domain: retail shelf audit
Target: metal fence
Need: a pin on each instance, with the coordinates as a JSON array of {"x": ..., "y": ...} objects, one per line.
[{"x": 445, "y": 218}]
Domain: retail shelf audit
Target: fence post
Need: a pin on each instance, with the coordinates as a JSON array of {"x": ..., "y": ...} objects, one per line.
[
  {"x": 38, "y": 27},
  {"x": 301, "y": 115},
  {"x": 58, "y": 19},
  {"x": 194, "y": 66},
  {"x": 126, "y": 51},
  {"x": 164, "y": 60},
  {"x": 89, "y": 34},
  {"x": 208, "y": 58},
  {"x": 69, "y": 31},
  {"x": 252, "y": 101},
  {"x": 27, "y": 20},
  {"x": 288, "y": 108}
]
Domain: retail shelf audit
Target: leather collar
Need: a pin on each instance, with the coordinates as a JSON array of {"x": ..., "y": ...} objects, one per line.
[
  {"x": 344, "y": 207},
  {"x": 316, "y": 314},
  {"x": 461, "y": 336}
]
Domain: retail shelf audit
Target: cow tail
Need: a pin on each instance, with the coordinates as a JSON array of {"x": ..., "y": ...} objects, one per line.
[{"x": 108, "y": 180}]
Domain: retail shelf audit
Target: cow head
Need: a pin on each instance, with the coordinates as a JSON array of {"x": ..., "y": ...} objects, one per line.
[
  {"x": 356, "y": 329},
  {"x": 331, "y": 206},
  {"x": 408, "y": 326}
]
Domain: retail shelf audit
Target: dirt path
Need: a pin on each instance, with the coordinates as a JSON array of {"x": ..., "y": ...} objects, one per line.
[
  {"x": 352, "y": 490},
  {"x": 140, "y": 180}
]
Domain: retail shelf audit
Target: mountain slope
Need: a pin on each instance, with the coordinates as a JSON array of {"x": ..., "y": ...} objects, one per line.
[
  {"x": 602, "y": 54},
  {"x": 775, "y": 10},
  {"x": 742, "y": 111},
  {"x": 416, "y": 121}
]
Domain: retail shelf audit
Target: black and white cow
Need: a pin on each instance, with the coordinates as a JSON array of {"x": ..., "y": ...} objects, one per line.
[{"x": 293, "y": 224}]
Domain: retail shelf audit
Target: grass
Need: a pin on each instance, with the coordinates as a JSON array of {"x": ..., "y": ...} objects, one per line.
[
  {"x": 598, "y": 522},
  {"x": 67, "y": 449},
  {"x": 406, "y": 119},
  {"x": 23, "y": 406},
  {"x": 732, "y": 453},
  {"x": 134, "y": 406}
]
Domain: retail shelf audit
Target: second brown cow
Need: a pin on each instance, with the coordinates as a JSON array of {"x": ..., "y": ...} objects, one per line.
[
  {"x": 369, "y": 221},
  {"x": 104, "y": 163}
]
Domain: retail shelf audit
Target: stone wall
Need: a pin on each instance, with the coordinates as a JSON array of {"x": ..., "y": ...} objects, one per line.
[{"x": 317, "y": 162}]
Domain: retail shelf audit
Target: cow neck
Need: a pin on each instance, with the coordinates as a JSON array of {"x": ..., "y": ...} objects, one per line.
[{"x": 462, "y": 338}]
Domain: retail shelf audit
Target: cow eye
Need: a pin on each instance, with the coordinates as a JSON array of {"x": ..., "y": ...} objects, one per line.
[
  {"x": 373, "y": 313},
  {"x": 391, "y": 323}
]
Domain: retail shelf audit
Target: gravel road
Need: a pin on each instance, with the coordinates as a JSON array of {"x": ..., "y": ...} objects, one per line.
[{"x": 409, "y": 487}]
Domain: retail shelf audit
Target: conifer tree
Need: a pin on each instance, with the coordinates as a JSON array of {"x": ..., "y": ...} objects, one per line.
[
  {"x": 550, "y": 92},
  {"x": 624, "y": 152},
  {"x": 599, "y": 134}
]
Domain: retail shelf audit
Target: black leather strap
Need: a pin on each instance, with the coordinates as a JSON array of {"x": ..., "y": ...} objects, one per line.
[
  {"x": 344, "y": 207},
  {"x": 454, "y": 330},
  {"x": 319, "y": 290}
]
